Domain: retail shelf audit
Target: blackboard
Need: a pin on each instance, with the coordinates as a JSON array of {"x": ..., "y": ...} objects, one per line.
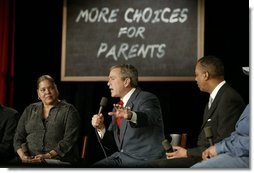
[{"x": 162, "y": 38}]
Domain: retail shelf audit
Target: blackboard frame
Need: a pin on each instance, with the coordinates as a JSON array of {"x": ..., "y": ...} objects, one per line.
[{"x": 84, "y": 77}]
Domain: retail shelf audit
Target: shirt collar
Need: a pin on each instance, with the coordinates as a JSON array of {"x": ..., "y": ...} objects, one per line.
[
  {"x": 127, "y": 96},
  {"x": 216, "y": 89}
]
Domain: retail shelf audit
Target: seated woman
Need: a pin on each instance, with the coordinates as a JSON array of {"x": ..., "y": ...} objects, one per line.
[{"x": 48, "y": 129}]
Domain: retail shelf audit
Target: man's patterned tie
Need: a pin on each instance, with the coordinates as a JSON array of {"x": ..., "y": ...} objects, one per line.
[{"x": 118, "y": 119}]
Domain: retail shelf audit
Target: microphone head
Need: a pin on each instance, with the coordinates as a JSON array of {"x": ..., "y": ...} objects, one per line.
[
  {"x": 103, "y": 102},
  {"x": 167, "y": 146},
  {"x": 208, "y": 132}
]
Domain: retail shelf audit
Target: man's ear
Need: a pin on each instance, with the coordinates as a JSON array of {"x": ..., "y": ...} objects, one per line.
[
  {"x": 206, "y": 75},
  {"x": 127, "y": 82}
]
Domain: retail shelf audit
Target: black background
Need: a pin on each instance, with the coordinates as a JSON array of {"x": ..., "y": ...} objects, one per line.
[{"x": 38, "y": 52}]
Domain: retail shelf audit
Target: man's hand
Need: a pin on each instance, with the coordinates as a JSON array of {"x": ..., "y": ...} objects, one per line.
[
  {"x": 121, "y": 112},
  {"x": 179, "y": 152},
  {"x": 209, "y": 152},
  {"x": 98, "y": 121}
]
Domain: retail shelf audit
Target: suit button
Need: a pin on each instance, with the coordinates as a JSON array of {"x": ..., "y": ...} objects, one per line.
[{"x": 121, "y": 150}]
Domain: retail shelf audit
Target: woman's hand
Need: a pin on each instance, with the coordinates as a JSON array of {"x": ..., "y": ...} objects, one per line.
[{"x": 31, "y": 159}]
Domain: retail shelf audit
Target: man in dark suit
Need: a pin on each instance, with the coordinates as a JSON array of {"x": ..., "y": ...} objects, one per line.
[
  {"x": 221, "y": 114},
  {"x": 8, "y": 123},
  {"x": 233, "y": 151},
  {"x": 140, "y": 130}
]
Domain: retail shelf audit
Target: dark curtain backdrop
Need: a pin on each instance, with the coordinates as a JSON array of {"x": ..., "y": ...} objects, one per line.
[
  {"x": 7, "y": 37},
  {"x": 38, "y": 51}
]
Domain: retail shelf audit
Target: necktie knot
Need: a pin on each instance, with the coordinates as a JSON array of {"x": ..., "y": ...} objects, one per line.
[{"x": 121, "y": 103}]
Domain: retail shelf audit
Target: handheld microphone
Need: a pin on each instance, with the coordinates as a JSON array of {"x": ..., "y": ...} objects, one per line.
[
  {"x": 209, "y": 134},
  {"x": 103, "y": 104},
  {"x": 167, "y": 146}
]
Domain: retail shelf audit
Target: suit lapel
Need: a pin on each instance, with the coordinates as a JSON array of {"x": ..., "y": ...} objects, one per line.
[
  {"x": 209, "y": 112},
  {"x": 124, "y": 123}
]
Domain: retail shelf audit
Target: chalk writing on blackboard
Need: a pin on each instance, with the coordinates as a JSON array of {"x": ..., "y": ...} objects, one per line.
[{"x": 162, "y": 39}]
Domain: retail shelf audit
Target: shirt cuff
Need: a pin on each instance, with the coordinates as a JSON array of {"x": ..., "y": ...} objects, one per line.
[
  {"x": 219, "y": 148},
  {"x": 134, "y": 117}
]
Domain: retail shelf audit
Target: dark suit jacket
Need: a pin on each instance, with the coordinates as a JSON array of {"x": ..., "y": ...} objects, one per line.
[
  {"x": 140, "y": 141},
  {"x": 8, "y": 123},
  {"x": 222, "y": 117}
]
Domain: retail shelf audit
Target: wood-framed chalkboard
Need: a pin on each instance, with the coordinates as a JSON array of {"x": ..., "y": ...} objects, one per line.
[{"x": 162, "y": 38}]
